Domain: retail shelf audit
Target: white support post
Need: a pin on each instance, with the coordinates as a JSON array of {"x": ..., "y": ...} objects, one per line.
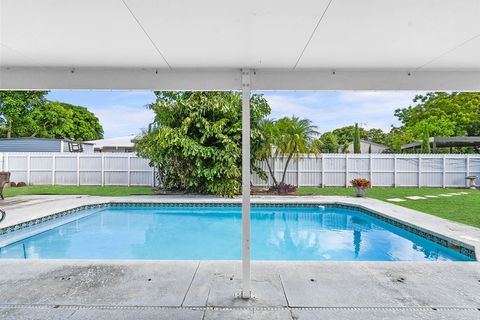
[
  {"x": 53, "y": 169},
  {"x": 28, "y": 168},
  {"x": 246, "y": 290},
  {"x": 78, "y": 169}
]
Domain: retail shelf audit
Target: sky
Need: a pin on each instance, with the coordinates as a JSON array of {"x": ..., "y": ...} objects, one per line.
[{"x": 122, "y": 113}]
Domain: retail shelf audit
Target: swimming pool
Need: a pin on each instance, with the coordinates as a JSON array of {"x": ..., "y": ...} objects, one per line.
[{"x": 214, "y": 233}]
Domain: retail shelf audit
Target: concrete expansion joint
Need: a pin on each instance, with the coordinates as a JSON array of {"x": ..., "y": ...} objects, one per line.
[{"x": 232, "y": 308}]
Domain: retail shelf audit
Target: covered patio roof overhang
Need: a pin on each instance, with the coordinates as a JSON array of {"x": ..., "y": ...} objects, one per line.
[{"x": 240, "y": 45}]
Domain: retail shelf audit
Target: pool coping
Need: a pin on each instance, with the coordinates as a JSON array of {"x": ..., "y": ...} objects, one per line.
[{"x": 461, "y": 238}]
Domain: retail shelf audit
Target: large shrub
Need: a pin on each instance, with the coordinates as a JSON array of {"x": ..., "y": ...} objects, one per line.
[{"x": 195, "y": 140}]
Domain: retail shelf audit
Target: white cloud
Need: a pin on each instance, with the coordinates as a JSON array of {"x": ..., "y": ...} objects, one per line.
[
  {"x": 330, "y": 110},
  {"x": 120, "y": 120}
]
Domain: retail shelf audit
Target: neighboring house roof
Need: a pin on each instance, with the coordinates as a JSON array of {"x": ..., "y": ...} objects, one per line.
[
  {"x": 121, "y": 142},
  {"x": 440, "y": 142},
  {"x": 372, "y": 143},
  {"x": 43, "y": 139}
]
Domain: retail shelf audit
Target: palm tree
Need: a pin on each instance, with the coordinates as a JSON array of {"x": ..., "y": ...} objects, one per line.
[
  {"x": 269, "y": 135},
  {"x": 293, "y": 136}
]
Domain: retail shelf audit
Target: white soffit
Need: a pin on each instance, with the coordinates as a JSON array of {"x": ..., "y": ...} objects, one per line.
[
  {"x": 191, "y": 44},
  {"x": 73, "y": 33},
  {"x": 390, "y": 34}
]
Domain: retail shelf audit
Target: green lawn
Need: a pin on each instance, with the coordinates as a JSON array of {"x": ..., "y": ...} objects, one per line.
[
  {"x": 83, "y": 190},
  {"x": 464, "y": 208}
]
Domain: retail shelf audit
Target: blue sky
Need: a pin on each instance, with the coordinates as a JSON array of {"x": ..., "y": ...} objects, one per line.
[{"x": 124, "y": 112}]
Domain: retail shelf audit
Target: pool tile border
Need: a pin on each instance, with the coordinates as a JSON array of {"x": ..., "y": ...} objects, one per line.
[{"x": 439, "y": 239}]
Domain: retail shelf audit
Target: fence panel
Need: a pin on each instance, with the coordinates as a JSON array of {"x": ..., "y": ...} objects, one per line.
[
  {"x": 80, "y": 169},
  {"x": 384, "y": 170}
]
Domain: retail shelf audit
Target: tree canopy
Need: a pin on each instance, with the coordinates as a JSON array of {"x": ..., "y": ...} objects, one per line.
[
  {"x": 30, "y": 114},
  {"x": 195, "y": 140},
  {"x": 16, "y": 110},
  {"x": 440, "y": 114}
]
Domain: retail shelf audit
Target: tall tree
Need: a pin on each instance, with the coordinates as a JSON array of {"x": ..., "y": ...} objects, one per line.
[
  {"x": 328, "y": 143},
  {"x": 196, "y": 140},
  {"x": 426, "y": 142},
  {"x": 16, "y": 111},
  {"x": 295, "y": 136},
  {"x": 62, "y": 120},
  {"x": 456, "y": 114},
  {"x": 356, "y": 140}
]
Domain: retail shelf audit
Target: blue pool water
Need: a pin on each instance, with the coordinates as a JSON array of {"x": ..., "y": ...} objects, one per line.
[{"x": 214, "y": 233}]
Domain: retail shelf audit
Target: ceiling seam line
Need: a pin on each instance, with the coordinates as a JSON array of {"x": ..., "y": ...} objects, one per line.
[
  {"x": 24, "y": 56},
  {"x": 447, "y": 52},
  {"x": 313, "y": 33},
  {"x": 146, "y": 33}
]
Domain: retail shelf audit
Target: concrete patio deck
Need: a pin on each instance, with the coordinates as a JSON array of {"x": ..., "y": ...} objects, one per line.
[
  {"x": 60, "y": 289},
  {"x": 82, "y": 289}
]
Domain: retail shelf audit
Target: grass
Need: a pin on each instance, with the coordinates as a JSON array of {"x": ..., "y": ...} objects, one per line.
[
  {"x": 464, "y": 209},
  {"x": 82, "y": 190}
]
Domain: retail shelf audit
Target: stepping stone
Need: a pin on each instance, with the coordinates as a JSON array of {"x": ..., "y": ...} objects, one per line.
[
  {"x": 445, "y": 195},
  {"x": 396, "y": 200},
  {"x": 463, "y": 192},
  {"x": 455, "y": 193},
  {"x": 430, "y": 196},
  {"x": 415, "y": 198}
]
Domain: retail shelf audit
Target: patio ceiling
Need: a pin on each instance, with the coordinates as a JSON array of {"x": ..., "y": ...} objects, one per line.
[{"x": 191, "y": 44}]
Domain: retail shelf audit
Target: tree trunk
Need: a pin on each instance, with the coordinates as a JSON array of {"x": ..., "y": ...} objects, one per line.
[
  {"x": 272, "y": 174},
  {"x": 286, "y": 166}
]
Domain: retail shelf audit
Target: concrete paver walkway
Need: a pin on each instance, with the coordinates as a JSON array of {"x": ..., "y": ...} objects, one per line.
[{"x": 61, "y": 289}]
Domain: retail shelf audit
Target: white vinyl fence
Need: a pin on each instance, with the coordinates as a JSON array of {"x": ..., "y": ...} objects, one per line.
[
  {"x": 80, "y": 169},
  {"x": 385, "y": 170}
]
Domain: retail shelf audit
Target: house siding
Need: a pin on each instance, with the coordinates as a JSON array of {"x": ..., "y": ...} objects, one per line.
[{"x": 30, "y": 145}]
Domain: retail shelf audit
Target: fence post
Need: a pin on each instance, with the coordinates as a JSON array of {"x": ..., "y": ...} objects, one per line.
[
  {"x": 322, "y": 173},
  {"x": 371, "y": 170},
  {"x": 103, "y": 169},
  {"x": 78, "y": 169},
  {"x": 28, "y": 168},
  {"x": 419, "y": 170},
  {"x": 53, "y": 169},
  {"x": 395, "y": 170},
  {"x": 443, "y": 173},
  {"x": 346, "y": 170},
  {"x": 467, "y": 166},
  {"x": 5, "y": 161},
  {"x": 298, "y": 171},
  {"x": 128, "y": 170}
]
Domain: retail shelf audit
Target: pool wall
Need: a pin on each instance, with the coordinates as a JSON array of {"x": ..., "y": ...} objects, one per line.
[{"x": 10, "y": 233}]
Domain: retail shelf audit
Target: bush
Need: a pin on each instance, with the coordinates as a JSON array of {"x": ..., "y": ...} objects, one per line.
[
  {"x": 21, "y": 184},
  {"x": 195, "y": 140},
  {"x": 13, "y": 184},
  {"x": 284, "y": 188}
]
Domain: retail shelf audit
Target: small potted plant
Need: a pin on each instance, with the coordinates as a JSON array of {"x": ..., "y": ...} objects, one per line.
[{"x": 360, "y": 185}]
